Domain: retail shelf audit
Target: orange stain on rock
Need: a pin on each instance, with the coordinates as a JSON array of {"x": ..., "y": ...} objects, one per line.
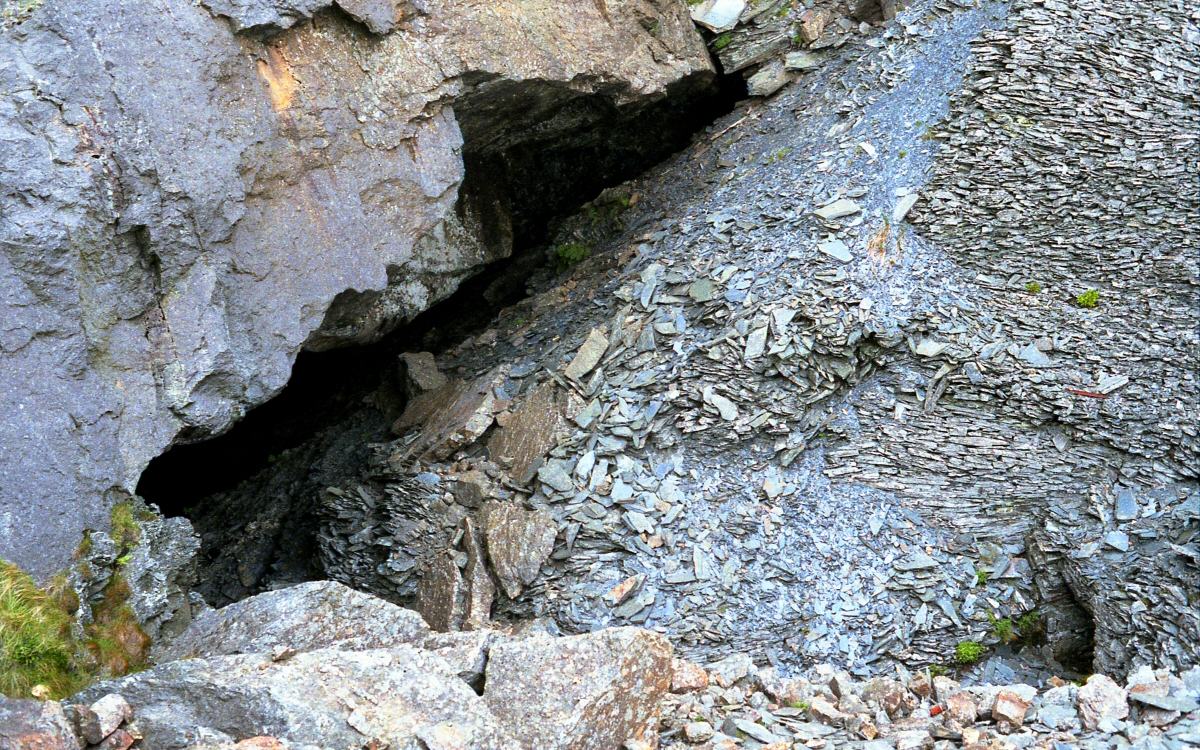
[{"x": 278, "y": 75}]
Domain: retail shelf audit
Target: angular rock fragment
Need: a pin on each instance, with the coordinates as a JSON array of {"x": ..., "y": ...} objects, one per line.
[
  {"x": 1101, "y": 698},
  {"x": 419, "y": 374},
  {"x": 518, "y": 542},
  {"x": 451, "y": 417},
  {"x": 812, "y": 23},
  {"x": 838, "y": 209},
  {"x": 441, "y": 594},
  {"x": 588, "y": 356},
  {"x": 718, "y": 15},
  {"x": 532, "y": 430},
  {"x": 767, "y": 80},
  {"x": 325, "y": 698},
  {"x": 1010, "y": 707},
  {"x": 801, "y": 60},
  {"x": 687, "y": 677},
  {"x": 35, "y": 725},
  {"x": 305, "y": 617},
  {"x": 585, "y": 692}
]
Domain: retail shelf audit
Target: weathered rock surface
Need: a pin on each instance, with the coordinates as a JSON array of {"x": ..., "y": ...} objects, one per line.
[
  {"x": 586, "y": 692},
  {"x": 324, "y": 698},
  {"x": 35, "y": 725},
  {"x": 186, "y": 207},
  {"x": 306, "y": 617}
]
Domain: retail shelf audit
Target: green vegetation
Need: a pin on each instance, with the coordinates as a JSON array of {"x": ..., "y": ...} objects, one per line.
[
  {"x": 936, "y": 670},
  {"x": 1032, "y": 628},
  {"x": 1003, "y": 629},
  {"x": 40, "y": 654},
  {"x": 981, "y": 577},
  {"x": 723, "y": 41},
  {"x": 968, "y": 652},
  {"x": 35, "y": 633},
  {"x": 570, "y": 254},
  {"x": 802, "y": 705},
  {"x": 1090, "y": 298},
  {"x": 1033, "y": 287},
  {"x": 125, "y": 530},
  {"x": 608, "y": 212},
  {"x": 780, "y": 154}
]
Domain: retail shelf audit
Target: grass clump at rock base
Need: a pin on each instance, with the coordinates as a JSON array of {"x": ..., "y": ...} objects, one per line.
[
  {"x": 968, "y": 652},
  {"x": 38, "y": 650},
  {"x": 36, "y": 647},
  {"x": 1089, "y": 299}
]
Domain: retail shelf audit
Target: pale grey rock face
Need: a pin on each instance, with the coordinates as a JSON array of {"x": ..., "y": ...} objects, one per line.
[
  {"x": 183, "y": 207},
  {"x": 585, "y": 692},
  {"x": 328, "y": 699},
  {"x": 306, "y": 617}
]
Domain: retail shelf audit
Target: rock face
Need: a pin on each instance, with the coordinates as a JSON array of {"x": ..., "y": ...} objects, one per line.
[
  {"x": 192, "y": 194},
  {"x": 587, "y": 692},
  {"x": 307, "y": 617},
  {"x": 325, "y": 698},
  {"x": 34, "y": 725}
]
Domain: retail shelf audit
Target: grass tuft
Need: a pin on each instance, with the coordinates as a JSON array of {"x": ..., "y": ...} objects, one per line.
[
  {"x": 36, "y": 648},
  {"x": 1089, "y": 299},
  {"x": 968, "y": 652},
  {"x": 1033, "y": 287}
]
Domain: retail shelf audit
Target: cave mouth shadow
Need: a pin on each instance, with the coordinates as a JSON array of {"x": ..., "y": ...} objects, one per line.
[{"x": 542, "y": 181}]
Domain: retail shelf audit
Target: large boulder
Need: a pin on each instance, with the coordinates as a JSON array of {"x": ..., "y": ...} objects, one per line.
[
  {"x": 584, "y": 692},
  {"x": 35, "y": 725},
  {"x": 306, "y": 617},
  {"x": 402, "y": 698},
  {"x": 191, "y": 194}
]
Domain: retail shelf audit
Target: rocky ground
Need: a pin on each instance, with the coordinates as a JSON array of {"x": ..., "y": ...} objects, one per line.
[
  {"x": 319, "y": 665},
  {"x": 825, "y": 390}
]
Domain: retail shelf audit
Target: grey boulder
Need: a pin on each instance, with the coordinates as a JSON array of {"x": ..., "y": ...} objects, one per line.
[
  {"x": 586, "y": 692},
  {"x": 306, "y": 617},
  {"x": 402, "y": 698}
]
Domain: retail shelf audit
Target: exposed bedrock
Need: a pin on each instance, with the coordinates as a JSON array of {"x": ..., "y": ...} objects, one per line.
[{"x": 192, "y": 194}]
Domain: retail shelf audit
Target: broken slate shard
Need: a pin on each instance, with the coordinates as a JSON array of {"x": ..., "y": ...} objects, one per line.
[
  {"x": 838, "y": 209},
  {"x": 837, "y": 250},
  {"x": 903, "y": 207},
  {"x": 801, "y": 60},
  {"x": 718, "y": 15},
  {"x": 518, "y": 542},
  {"x": 588, "y": 355}
]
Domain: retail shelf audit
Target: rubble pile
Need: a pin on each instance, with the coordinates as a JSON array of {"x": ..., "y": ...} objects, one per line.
[{"x": 739, "y": 705}]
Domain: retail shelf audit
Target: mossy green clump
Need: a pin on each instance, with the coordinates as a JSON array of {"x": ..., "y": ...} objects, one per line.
[
  {"x": 125, "y": 529},
  {"x": 722, "y": 41},
  {"x": 936, "y": 670},
  {"x": 968, "y": 652},
  {"x": 1088, "y": 299},
  {"x": 981, "y": 577},
  {"x": 1032, "y": 628},
  {"x": 570, "y": 254},
  {"x": 1033, "y": 287},
  {"x": 36, "y": 647},
  {"x": 1003, "y": 630},
  {"x": 801, "y": 705}
]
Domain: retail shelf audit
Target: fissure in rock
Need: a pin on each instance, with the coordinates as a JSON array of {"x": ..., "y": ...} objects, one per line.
[{"x": 338, "y": 401}]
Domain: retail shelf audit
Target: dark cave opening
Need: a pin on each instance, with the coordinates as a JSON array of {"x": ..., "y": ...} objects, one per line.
[{"x": 541, "y": 181}]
